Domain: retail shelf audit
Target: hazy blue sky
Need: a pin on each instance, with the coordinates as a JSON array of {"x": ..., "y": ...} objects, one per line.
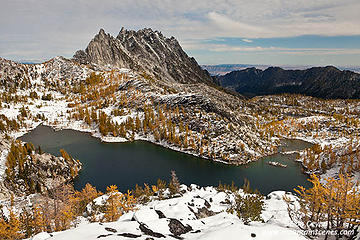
[{"x": 304, "y": 32}]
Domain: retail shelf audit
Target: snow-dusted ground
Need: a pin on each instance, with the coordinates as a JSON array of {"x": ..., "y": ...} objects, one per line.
[
  {"x": 57, "y": 113},
  {"x": 223, "y": 225},
  {"x": 3, "y": 156}
]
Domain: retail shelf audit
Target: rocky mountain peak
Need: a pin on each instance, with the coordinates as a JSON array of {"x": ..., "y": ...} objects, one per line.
[
  {"x": 146, "y": 51},
  {"x": 102, "y": 36},
  {"x": 102, "y": 32}
]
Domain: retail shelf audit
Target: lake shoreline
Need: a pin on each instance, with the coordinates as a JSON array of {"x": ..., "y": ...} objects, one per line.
[
  {"x": 212, "y": 172},
  {"x": 93, "y": 133}
]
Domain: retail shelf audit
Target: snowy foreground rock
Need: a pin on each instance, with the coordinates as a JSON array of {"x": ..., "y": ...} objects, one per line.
[{"x": 200, "y": 213}]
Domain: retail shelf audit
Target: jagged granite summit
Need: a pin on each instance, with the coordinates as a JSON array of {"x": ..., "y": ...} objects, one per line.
[
  {"x": 144, "y": 50},
  {"x": 323, "y": 82}
]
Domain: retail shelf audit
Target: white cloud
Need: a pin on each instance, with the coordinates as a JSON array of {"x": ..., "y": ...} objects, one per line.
[
  {"x": 61, "y": 27},
  {"x": 247, "y": 40},
  {"x": 320, "y": 51},
  {"x": 225, "y": 25},
  {"x": 223, "y": 48}
]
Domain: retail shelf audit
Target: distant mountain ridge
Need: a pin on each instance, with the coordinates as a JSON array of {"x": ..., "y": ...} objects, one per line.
[
  {"x": 323, "y": 82},
  {"x": 144, "y": 50},
  {"x": 222, "y": 69}
]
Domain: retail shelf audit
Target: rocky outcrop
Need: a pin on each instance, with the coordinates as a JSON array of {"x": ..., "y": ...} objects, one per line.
[
  {"x": 147, "y": 231},
  {"x": 129, "y": 235},
  {"x": 145, "y": 51},
  {"x": 191, "y": 100},
  {"x": 11, "y": 73},
  {"x": 57, "y": 70},
  {"x": 177, "y": 228},
  {"x": 322, "y": 82},
  {"x": 60, "y": 68},
  {"x": 43, "y": 173}
]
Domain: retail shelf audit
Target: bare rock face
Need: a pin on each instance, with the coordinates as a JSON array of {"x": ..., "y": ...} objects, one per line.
[
  {"x": 144, "y": 50},
  {"x": 104, "y": 50},
  {"x": 177, "y": 228}
]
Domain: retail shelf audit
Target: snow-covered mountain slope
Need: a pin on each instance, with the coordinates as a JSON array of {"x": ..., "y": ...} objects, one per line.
[
  {"x": 203, "y": 108},
  {"x": 179, "y": 218}
]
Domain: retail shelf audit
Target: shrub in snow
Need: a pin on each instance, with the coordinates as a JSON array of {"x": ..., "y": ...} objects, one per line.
[{"x": 249, "y": 207}]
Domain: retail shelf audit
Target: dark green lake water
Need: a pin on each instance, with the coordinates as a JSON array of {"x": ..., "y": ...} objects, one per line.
[{"x": 127, "y": 164}]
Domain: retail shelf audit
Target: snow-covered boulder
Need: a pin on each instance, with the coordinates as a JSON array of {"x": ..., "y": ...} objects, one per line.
[{"x": 41, "y": 236}]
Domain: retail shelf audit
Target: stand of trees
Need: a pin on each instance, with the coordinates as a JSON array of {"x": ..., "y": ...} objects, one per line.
[
  {"x": 162, "y": 123},
  {"x": 60, "y": 211},
  {"x": 61, "y": 207},
  {"x": 248, "y": 204},
  {"x": 321, "y": 159},
  {"x": 331, "y": 209}
]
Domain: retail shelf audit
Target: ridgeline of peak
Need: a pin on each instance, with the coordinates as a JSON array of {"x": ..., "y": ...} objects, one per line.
[
  {"x": 322, "y": 82},
  {"x": 146, "y": 51}
]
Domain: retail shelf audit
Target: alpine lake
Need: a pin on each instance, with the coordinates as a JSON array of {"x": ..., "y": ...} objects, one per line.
[{"x": 138, "y": 162}]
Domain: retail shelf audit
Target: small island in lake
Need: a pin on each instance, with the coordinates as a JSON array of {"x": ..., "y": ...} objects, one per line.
[{"x": 277, "y": 164}]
